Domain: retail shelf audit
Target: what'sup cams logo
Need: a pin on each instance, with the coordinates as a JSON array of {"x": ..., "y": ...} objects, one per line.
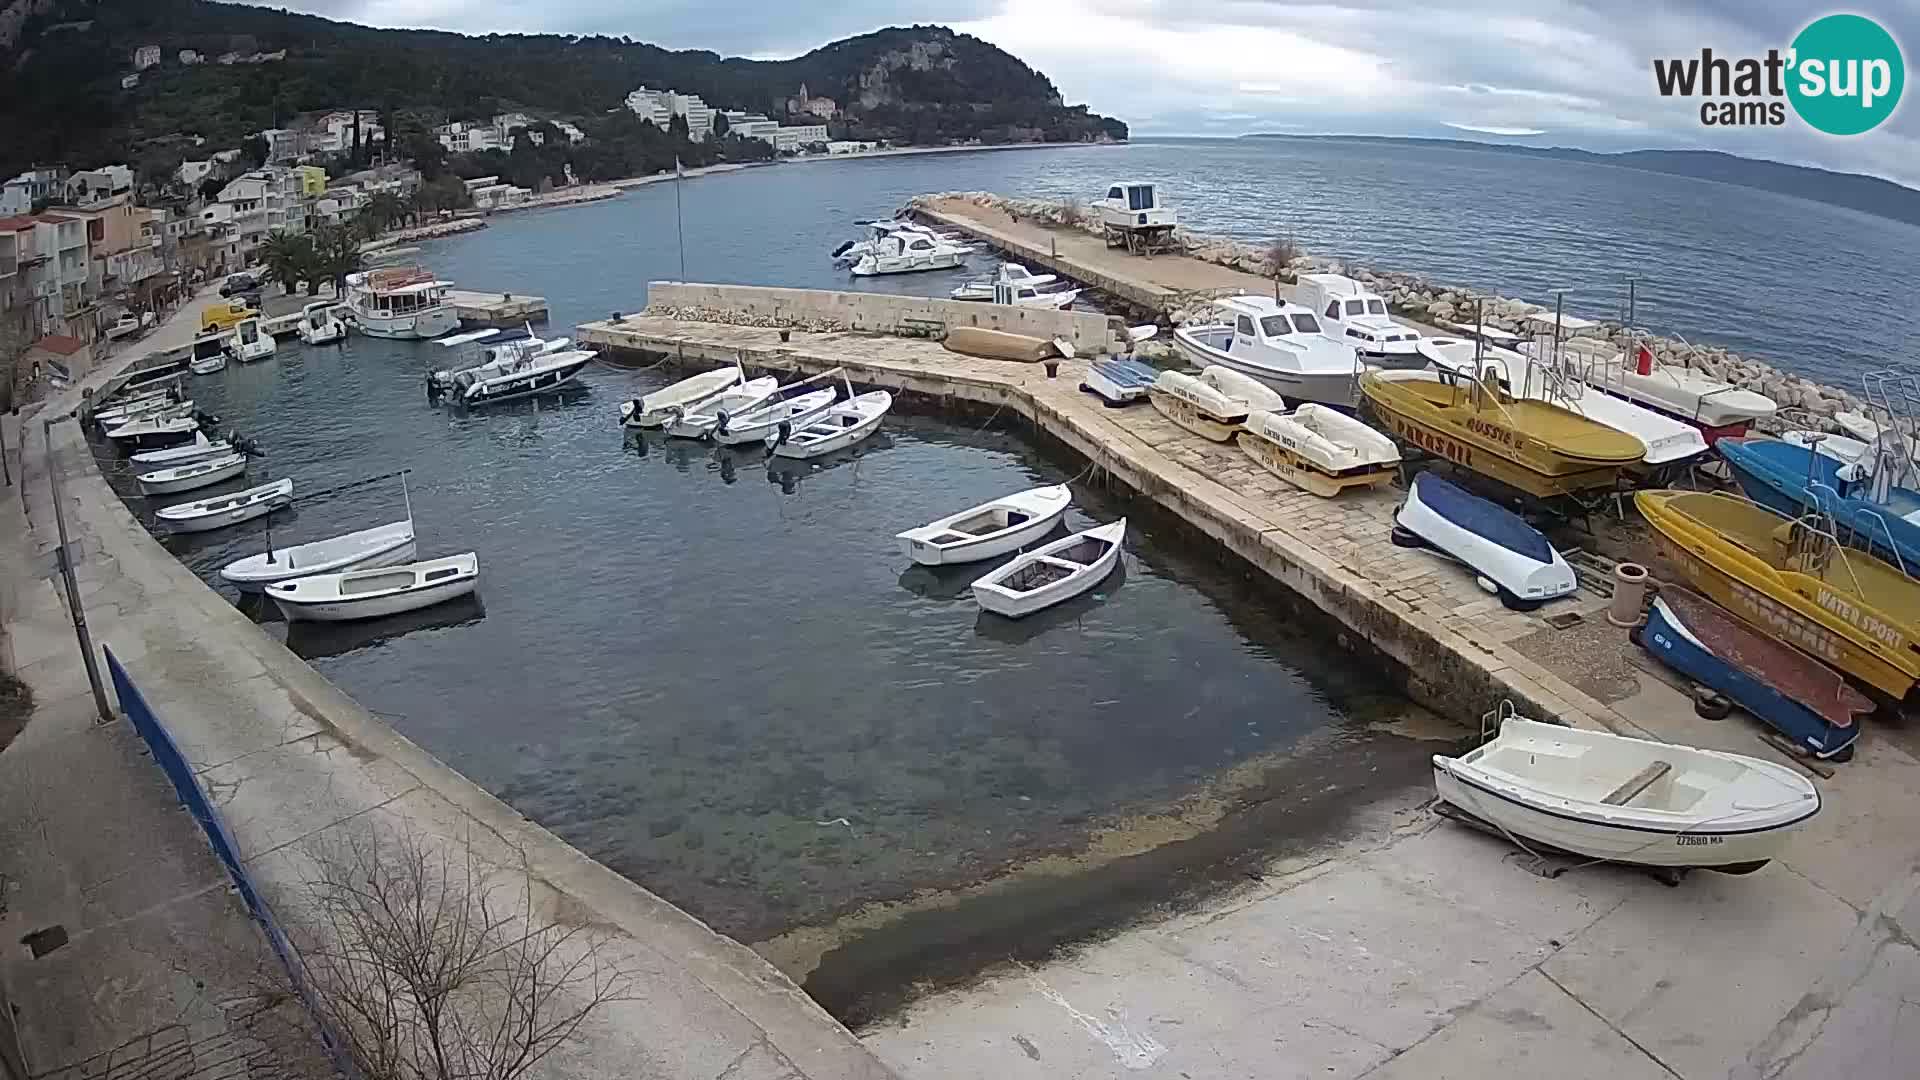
[{"x": 1843, "y": 75}]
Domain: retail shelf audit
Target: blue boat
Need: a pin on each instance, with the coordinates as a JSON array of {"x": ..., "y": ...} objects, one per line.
[
  {"x": 1119, "y": 380},
  {"x": 1794, "y": 480},
  {"x": 1492, "y": 541},
  {"x": 1784, "y": 688}
]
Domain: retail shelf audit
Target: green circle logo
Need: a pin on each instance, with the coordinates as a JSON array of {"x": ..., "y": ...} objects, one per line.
[{"x": 1846, "y": 74}]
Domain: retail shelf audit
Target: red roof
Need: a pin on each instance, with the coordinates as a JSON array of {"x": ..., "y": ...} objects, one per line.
[
  {"x": 17, "y": 222},
  {"x": 60, "y": 344}
]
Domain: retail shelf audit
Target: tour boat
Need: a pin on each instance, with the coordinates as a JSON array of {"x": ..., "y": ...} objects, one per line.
[
  {"x": 1880, "y": 518},
  {"x": 1052, "y": 573},
  {"x": 1719, "y": 409},
  {"x": 765, "y": 422},
  {"x": 1279, "y": 344},
  {"x": 190, "y": 477},
  {"x": 319, "y": 325},
  {"x": 199, "y": 449},
  {"x": 697, "y": 421},
  {"x": 1796, "y": 579},
  {"x": 989, "y": 530},
  {"x": 250, "y": 344},
  {"x": 1319, "y": 449},
  {"x": 1015, "y": 276},
  {"x": 1350, "y": 313},
  {"x": 908, "y": 252},
  {"x": 400, "y": 302},
  {"x": 1636, "y": 801},
  {"x": 1789, "y": 691},
  {"x": 1197, "y": 406},
  {"x": 846, "y": 423},
  {"x": 1119, "y": 381},
  {"x": 1534, "y": 446},
  {"x": 204, "y": 515},
  {"x": 382, "y": 545},
  {"x": 1515, "y": 558},
  {"x": 659, "y": 408},
  {"x": 370, "y": 594}
]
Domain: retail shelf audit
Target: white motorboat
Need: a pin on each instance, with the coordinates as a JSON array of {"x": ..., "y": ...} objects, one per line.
[
  {"x": 166, "y": 411},
  {"x": 191, "y": 477},
  {"x": 659, "y": 408},
  {"x": 845, "y": 424},
  {"x": 880, "y": 231},
  {"x": 1052, "y": 573},
  {"x": 199, "y": 449},
  {"x": 370, "y": 594},
  {"x": 400, "y": 302},
  {"x": 981, "y": 288},
  {"x": 697, "y": 421},
  {"x": 249, "y": 343},
  {"x": 382, "y": 545},
  {"x": 1279, "y": 344},
  {"x": 1319, "y": 449},
  {"x": 514, "y": 375},
  {"x": 1198, "y": 406},
  {"x": 910, "y": 252},
  {"x": 139, "y": 408},
  {"x": 1513, "y": 559},
  {"x": 765, "y": 422},
  {"x": 1606, "y": 796},
  {"x": 319, "y": 325},
  {"x": 989, "y": 530},
  {"x": 204, "y": 515},
  {"x": 1720, "y": 408},
  {"x": 1353, "y": 315},
  {"x": 147, "y": 434},
  {"x": 209, "y": 352},
  {"x": 209, "y": 365}
]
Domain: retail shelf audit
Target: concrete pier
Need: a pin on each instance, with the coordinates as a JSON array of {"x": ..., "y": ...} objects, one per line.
[{"x": 503, "y": 310}]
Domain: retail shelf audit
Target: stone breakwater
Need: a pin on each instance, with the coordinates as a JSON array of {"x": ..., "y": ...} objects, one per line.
[
  {"x": 730, "y": 317},
  {"x": 1415, "y": 297},
  {"x": 431, "y": 231}
]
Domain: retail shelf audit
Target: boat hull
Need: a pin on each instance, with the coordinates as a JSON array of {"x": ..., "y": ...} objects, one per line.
[
  {"x": 254, "y": 575},
  {"x": 1017, "y": 605},
  {"x": 1490, "y": 540},
  {"x": 191, "y": 483},
  {"x": 513, "y": 388},
  {"x": 844, "y": 425},
  {"x": 1324, "y": 388},
  {"x": 1119, "y": 382},
  {"x": 350, "y": 610},
  {"x": 986, "y": 547},
  {"x": 1302, "y": 473},
  {"x": 740, "y": 433},
  {"x": 210, "y": 522}
]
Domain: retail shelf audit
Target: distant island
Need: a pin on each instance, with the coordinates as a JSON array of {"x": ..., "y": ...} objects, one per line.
[{"x": 1867, "y": 194}]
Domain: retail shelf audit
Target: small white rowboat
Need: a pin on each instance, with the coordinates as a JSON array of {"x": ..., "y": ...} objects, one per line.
[
  {"x": 1627, "y": 800},
  {"x": 204, "y": 515},
  {"x": 199, "y": 474},
  {"x": 382, "y": 545},
  {"x": 989, "y": 530},
  {"x": 756, "y": 425},
  {"x": 370, "y": 594},
  {"x": 199, "y": 449},
  {"x": 658, "y": 408},
  {"x": 698, "y": 421},
  {"x": 1319, "y": 449},
  {"x": 845, "y": 424},
  {"x": 1052, "y": 573}
]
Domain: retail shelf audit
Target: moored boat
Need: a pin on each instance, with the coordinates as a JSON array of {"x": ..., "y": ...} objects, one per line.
[
  {"x": 249, "y": 343},
  {"x": 516, "y": 376},
  {"x": 150, "y": 433},
  {"x": 1319, "y": 449},
  {"x": 1626, "y": 800},
  {"x": 698, "y": 421},
  {"x": 400, "y": 302},
  {"x": 765, "y": 422},
  {"x": 205, "y": 515},
  {"x": 847, "y": 423},
  {"x": 989, "y": 530},
  {"x": 319, "y": 326},
  {"x": 1052, "y": 573},
  {"x": 1197, "y": 406},
  {"x": 366, "y": 549},
  {"x": 1492, "y": 541},
  {"x": 201, "y": 447},
  {"x": 658, "y": 409},
  {"x": 370, "y": 594},
  {"x": 175, "y": 479}
]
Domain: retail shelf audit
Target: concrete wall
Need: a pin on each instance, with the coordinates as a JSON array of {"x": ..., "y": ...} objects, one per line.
[{"x": 1091, "y": 333}]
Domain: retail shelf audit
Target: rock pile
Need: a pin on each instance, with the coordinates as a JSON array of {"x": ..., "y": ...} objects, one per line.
[{"x": 730, "y": 317}]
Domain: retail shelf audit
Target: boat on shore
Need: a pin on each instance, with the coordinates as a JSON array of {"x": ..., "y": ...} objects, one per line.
[
  {"x": 1319, "y": 449},
  {"x": 1795, "y": 578},
  {"x": 205, "y": 515},
  {"x": 1053, "y": 573},
  {"x": 1533, "y": 446},
  {"x": 1718, "y": 409},
  {"x": 192, "y": 476},
  {"x": 1356, "y": 316},
  {"x": 366, "y": 549},
  {"x": 371, "y": 594},
  {"x": 400, "y": 302},
  {"x": 658, "y": 409},
  {"x": 1280, "y": 344},
  {"x": 1882, "y": 519},
  {"x": 847, "y": 423},
  {"x": 1119, "y": 381},
  {"x": 1635, "y": 801},
  {"x": 1516, "y": 559},
  {"x": 1197, "y": 406},
  {"x": 989, "y": 530}
]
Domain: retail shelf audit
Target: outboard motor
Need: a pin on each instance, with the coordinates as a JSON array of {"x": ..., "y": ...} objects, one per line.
[
  {"x": 434, "y": 388},
  {"x": 842, "y": 249},
  {"x": 721, "y": 427}
]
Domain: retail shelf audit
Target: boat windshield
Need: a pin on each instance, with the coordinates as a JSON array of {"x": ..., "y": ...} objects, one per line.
[
  {"x": 1306, "y": 323},
  {"x": 1376, "y": 307},
  {"x": 1275, "y": 326}
]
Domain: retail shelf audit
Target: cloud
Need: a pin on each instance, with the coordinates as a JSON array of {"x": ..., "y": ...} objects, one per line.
[{"x": 1487, "y": 130}]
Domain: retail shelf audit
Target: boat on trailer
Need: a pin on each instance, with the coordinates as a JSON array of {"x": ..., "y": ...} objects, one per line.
[
  {"x": 205, "y": 515},
  {"x": 192, "y": 476},
  {"x": 1515, "y": 558},
  {"x": 845, "y": 424},
  {"x": 370, "y": 594},
  {"x": 989, "y": 530},
  {"x": 658, "y": 409},
  {"x": 1052, "y": 573},
  {"x": 1626, "y": 800},
  {"x": 1319, "y": 449}
]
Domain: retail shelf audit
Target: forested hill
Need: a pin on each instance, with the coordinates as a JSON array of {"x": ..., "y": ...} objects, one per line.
[{"x": 61, "y": 97}]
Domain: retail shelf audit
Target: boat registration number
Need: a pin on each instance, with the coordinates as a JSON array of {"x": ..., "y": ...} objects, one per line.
[{"x": 1699, "y": 841}]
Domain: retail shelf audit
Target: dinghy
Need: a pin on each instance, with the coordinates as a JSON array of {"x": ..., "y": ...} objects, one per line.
[
  {"x": 1119, "y": 381},
  {"x": 989, "y": 530},
  {"x": 845, "y": 424},
  {"x": 758, "y": 425},
  {"x": 200, "y": 448},
  {"x": 1052, "y": 573},
  {"x": 1494, "y": 542},
  {"x": 382, "y": 545},
  {"x": 1636, "y": 801},
  {"x": 146, "y": 408},
  {"x": 1783, "y": 687},
  {"x": 659, "y": 408},
  {"x": 1319, "y": 449},
  {"x": 191, "y": 477},
  {"x": 698, "y": 421},
  {"x": 149, "y": 434},
  {"x": 1197, "y": 406},
  {"x": 205, "y": 515},
  {"x": 369, "y": 594}
]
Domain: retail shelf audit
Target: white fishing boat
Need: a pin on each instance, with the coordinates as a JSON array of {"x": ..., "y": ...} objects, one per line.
[
  {"x": 844, "y": 425},
  {"x": 199, "y": 449},
  {"x": 513, "y": 375},
  {"x": 905, "y": 252},
  {"x": 1513, "y": 560},
  {"x": 192, "y": 476},
  {"x": 659, "y": 408},
  {"x": 981, "y": 289},
  {"x": 1606, "y": 796},
  {"x": 1319, "y": 449},
  {"x": 138, "y": 408},
  {"x": 319, "y": 325},
  {"x": 1052, "y": 573},
  {"x": 400, "y": 302},
  {"x": 204, "y": 515},
  {"x": 765, "y": 422},
  {"x": 370, "y": 594},
  {"x": 1352, "y": 314},
  {"x": 249, "y": 343},
  {"x": 1278, "y": 343},
  {"x": 172, "y": 410},
  {"x": 1197, "y": 406},
  {"x": 382, "y": 545},
  {"x": 697, "y": 421},
  {"x": 989, "y": 530},
  {"x": 151, "y": 433},
  {"x": 1719, "y": 408}
]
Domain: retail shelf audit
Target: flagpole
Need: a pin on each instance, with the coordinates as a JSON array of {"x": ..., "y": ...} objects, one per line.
[{"x": 679, "y": 225}]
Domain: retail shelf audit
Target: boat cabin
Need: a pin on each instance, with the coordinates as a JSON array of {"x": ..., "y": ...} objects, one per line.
[
  {"x": 1133, "y": 204},
  {"x": 317, "y": 315},
  {"x": 1005, "y": 292},
  {"x": 247, "y": 333},
  {"x": 1351, "y": 314},
  {"x": 207, "y": 346},
  {"x": 1262, "y": 325}
]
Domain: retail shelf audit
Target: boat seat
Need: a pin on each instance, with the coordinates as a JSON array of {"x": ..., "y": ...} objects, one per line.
[{"x": 1637, "y": 783}]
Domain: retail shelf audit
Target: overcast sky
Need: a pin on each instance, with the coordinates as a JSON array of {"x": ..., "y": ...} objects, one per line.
[{"x": 1545, "y": 72}]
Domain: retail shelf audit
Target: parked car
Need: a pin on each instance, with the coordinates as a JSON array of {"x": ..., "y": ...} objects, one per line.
[{"x": 241, "y": 282}]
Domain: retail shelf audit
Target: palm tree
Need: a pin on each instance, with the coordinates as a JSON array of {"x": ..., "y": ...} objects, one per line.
[
  {"x": 385, "y": 209},
  {"x": 336, "y": 253},
  {"x": 288, "y": 258}
]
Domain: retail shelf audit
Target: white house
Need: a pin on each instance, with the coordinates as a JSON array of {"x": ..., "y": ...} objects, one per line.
[
  {"x": 284, "y": 145},
  {"x": 788, "y": 140},
  {"x": 188, "y": 57},
  {"x": 660, "y": 107},
  {"x": 95, "y": 185},
  {"x": 146, "y": 56},
  {"x": 19, "y": 194},
  {"x": 573, "y": 134},
  {"x": 193, "y": 173},
  {"x": 464, "y": 138},
  {"x": 333, "y": 133},
  {"x": 654, "y": 106}
]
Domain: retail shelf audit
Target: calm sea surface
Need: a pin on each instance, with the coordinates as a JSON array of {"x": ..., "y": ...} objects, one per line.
[{"x": 725, "y": 680}]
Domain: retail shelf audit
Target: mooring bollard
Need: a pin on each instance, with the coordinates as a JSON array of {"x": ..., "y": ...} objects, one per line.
[
  {"x": 786, "y": 335},
  {"x": 1053, "y": 368}
]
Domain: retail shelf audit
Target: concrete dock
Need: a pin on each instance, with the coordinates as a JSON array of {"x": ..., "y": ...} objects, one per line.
[{"x": 492, "y": 309}]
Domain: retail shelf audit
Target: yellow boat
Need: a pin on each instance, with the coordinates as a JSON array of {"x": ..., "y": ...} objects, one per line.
[
  {"x": 1794, "y": 581},
  {"x": 1539, "y": 448}
]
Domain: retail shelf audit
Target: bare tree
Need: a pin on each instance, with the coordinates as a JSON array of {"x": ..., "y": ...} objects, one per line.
[
  {"x": 426, "y": 966},
  {"x": 1278, "y": 263}
]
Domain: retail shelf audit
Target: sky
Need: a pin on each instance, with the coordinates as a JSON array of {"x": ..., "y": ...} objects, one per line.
[{"x": 1538, "y": 72}]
